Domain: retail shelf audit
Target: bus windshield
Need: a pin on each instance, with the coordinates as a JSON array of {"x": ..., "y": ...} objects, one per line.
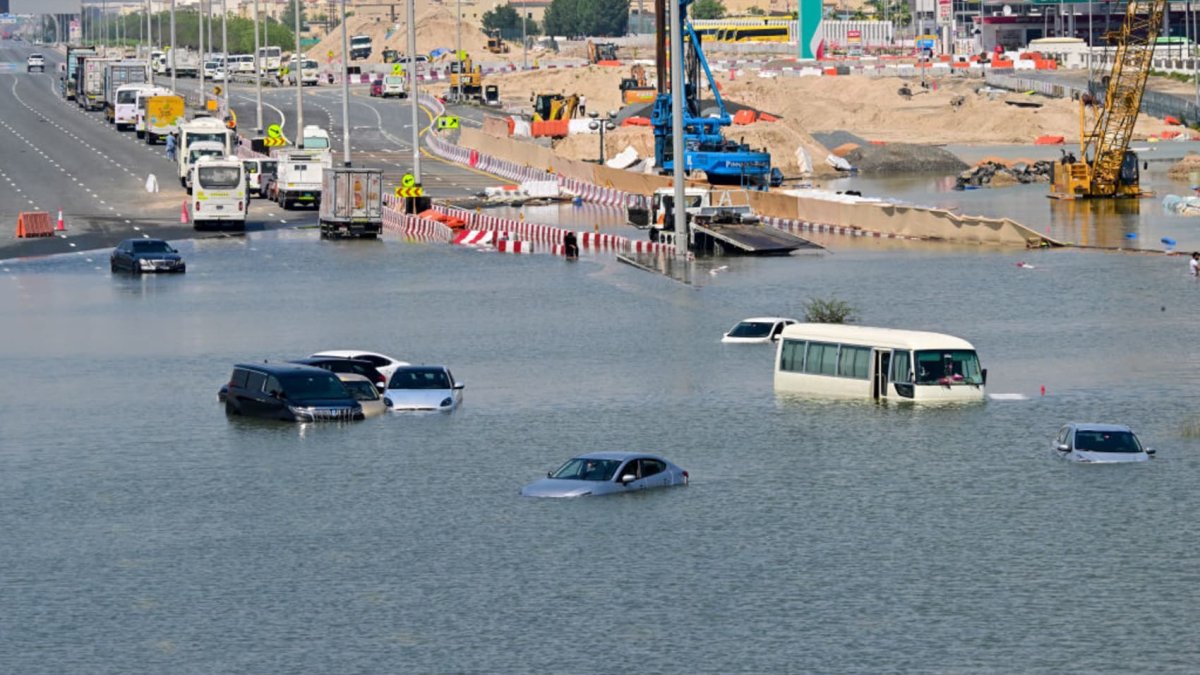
[{"x": 949, "y": 366}]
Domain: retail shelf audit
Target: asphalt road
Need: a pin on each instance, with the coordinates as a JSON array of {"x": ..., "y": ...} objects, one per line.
[{"x": 54, "y": 155}]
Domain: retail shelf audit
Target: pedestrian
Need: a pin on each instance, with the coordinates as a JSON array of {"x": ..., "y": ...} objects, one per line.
[
  {"x": 1194, "y": 264},
  {"x": 582, "y": 105},
  {"x": 570, "y": 246},
  {"x": 171, "y": 146}
]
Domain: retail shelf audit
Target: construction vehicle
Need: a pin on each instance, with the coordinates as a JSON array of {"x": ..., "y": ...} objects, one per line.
[
  {"x": 466, "y": 81},
  {"x": 723, "y": 162},
  {"x": 1106, "y": 166},
  {"x": 548, "y": 107},
  {"x": 495, "y": 44},
  {"x": 635, "y": 88},
  {"x": 601, "y": 51}
]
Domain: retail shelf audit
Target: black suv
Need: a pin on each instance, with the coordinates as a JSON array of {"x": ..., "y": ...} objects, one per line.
[
  {"x": 291, "y": 392},
  {"x": 336, "y": 364}
]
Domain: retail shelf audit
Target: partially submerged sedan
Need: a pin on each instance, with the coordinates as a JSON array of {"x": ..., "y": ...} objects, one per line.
[
  {"x": 607, "y": 473},
  {"x": 1100, "y": 444},
  {"x": 364, "y": 392},
  {"x": 423, "y": 388},
  {"x": 758, "y": 330}
]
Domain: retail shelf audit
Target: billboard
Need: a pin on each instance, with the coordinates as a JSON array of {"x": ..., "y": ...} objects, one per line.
[{"x": 45, "y": 6}]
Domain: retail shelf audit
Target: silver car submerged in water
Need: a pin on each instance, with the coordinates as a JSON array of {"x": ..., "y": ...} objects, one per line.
[
  {"x": 1099, "y": 444},
  {"x": 429, "y": 388},
  {"x": 607, "y": 473}
]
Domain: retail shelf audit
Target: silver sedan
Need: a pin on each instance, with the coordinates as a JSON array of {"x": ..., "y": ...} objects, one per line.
[{"x": 607, "y": 473}]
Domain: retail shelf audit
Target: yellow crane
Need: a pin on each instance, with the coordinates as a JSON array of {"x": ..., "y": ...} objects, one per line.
[{"x": 1107, "y": 167}]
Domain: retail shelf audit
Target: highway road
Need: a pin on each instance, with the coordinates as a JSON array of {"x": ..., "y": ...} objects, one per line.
[{"x": 54, "y": 155}]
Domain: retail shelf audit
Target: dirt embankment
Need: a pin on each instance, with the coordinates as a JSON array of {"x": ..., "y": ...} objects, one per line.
[{"x": 436, "y": 23}]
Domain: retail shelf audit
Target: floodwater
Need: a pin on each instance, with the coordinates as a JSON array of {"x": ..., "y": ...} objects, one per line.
[
  {"x": 1133, "y": 223},
  {"x": 144, "y": 532}
]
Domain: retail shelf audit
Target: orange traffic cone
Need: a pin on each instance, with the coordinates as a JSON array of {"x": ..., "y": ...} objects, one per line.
[
  {"x": 60, "y": 227},
  {"x": 183, "y": 214}
]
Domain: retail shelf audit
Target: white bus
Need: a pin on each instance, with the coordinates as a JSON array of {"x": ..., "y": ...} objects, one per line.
[
  {"x": 219, "y": 193},
  {"x": 270, "y": 59},
  {"x": 836, "y": 360}
]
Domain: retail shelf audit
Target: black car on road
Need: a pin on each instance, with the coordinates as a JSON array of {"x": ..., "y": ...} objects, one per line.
[{"x": 146, "y": 255}]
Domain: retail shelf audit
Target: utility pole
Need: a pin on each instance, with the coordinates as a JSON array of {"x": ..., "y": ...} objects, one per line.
[
  {"x": 258, "y": 128},
  {"x": 200, "y": 30},
  {"x": 525, "y": 39},
  {"x": 172, "y": 52},
  {"x": 680, "y": 206},
  {"x": 294, "y": 70},
  {"x": 345, "y": 90},
  {"x": 458, "y": 46},
  {"x": 225, "y": 54},
  {"x": 412, "y": 80}
]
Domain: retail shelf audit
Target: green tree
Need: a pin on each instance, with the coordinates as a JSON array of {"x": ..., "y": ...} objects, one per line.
[
  {"x": 708, "y": 9},
  {"x": 829, "y": 310},
  {"x": 755, "y": 11},
  {"x": 507, "y": 20},
  {"x": 596, "y": 18}
]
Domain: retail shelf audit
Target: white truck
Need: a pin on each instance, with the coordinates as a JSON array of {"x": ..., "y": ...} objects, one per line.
[
  {"x": 351, "y": 203},
  {"x": 89, "y": 92},
  {"x": 298, "y": 178},
  {"x": 198, "y": 130},
  {"x": 219, "y": 192},
  {"x": 185, "y": 62},
  {"x": 117, "y": 75},
  {"x": 125, "y": 108},
  {"x": 309, "y": 70}
]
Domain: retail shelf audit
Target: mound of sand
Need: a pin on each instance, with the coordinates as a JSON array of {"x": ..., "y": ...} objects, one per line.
[
  {"x": 436, "y": 28},
  {"x": 600, "y": 84},
  {"x": 1186, "y": 168}
]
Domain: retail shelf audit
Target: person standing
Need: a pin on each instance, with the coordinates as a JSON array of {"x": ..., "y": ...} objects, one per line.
[
  {"x": 171, "y": 146},
  {"x": 582, "y": 105},
  {"x": 570, "y": 246},
  {"x": 1194, "y": 264}
]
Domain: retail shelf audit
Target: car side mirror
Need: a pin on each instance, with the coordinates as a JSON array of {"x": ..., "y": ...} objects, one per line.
[
  {"x": 460, "y": 385},
  {"x": 628, "y": 478},
  {"x": 1062, "y": 447},
  {"x": 1150, "y": 451}
]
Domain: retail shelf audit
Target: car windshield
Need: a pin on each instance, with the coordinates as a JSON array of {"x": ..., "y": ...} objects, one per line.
[
  {"x": 309, "y": 64},
  {"x": 127, "y": 96},
  {"x": 1106, "y": 441},
  {"x": 220, "y": 177},
  {"x": 267, "y": 167},
  {"x": 751, "y": 329},
  {"x": 950, "y": 366},
  {"x": 195, "y": 137},
  {"x": 152, "y": 247},
  {"x": 362, "y": 391},
  {"x": 316, "y": 142},
  {"x": 314, "y": 385},
  {"x": 582, "y": 468},
  {"x": 394, "y": 79},
  {"x": 419, "y": 378}
]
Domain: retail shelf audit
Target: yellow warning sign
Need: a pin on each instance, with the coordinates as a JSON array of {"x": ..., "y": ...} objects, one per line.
[
  {"x": 447, "y": 122},
  {"x": 397, "y": 69},
  {"x": 403, "y": 192},
  {"x": 217, "y": 90},
  {"x": 408, "y": 180}
]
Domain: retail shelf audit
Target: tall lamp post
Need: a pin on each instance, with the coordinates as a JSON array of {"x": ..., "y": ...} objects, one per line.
[
  {"x": 458, "y": 46},
  {"x": 412, "y": 82},
  {"x": 294, "y": 70},
  {"x": 524, "y": 39},
  {"x": 258, "y": 125},
  {"x": 345, "y": 90},
  {"x": 602, "y": 126},
  {"x": 225, "y": 56}
]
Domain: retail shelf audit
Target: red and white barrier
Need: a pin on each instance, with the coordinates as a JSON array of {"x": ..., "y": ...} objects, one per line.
[
  {"x": 473, "y": 238},
  {"x": 514, "y": 246}
]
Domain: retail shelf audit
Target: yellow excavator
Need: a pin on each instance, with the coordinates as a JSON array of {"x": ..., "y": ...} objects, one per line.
[
  {"x": 1107, "y": 167},
  {"x": 470, "y": 76},
  {"x": 601, "y": 51},
  {"x": 636, "y": 88},
  {"x": 554, "y": 107}
]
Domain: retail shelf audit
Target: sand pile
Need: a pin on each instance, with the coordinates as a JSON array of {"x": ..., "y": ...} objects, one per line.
[
  {"x": 587, "y": 146},
  {"x": 1186, "y": 168},
  {"x": 436, "y": 28},
  {"x": 600, "y": 84}
]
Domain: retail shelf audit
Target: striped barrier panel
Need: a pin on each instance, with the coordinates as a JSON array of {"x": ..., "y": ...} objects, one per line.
[
  {"x": 473, "y": 238},
  {"x": 514, "y": 246},
  {"x": 821, "y": 228}
]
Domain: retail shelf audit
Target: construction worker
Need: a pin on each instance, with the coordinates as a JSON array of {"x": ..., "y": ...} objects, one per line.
[
  {"x": 171, "y": 146},
  {"x": 582, "y": 105}
]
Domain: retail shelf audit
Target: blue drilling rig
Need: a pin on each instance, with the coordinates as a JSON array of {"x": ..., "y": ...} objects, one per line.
[{"x": 724, "y": 162}]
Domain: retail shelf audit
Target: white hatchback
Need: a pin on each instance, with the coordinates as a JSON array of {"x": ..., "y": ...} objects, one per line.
[{"x": 758, "y": 330}]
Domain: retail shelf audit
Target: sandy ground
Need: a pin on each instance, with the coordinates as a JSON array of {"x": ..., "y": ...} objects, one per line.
[
  {"x": 436, "y": 27},
  {"x": 868, "y": 107}
]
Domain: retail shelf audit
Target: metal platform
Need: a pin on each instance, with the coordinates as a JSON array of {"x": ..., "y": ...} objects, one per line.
[{"x": 745, "y": 239}]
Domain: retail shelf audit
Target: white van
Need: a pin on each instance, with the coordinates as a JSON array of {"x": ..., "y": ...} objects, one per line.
[
  {"x": 200, "y": 129},
  {"x": 137, "y": 108},
  {"x": 197, "y": 151},
  {"x": 125, "y": 107},
  {"x": 259, "y": 172},
  {"x": 882, "y": 364},
  {"x": 219, "y": 192}
]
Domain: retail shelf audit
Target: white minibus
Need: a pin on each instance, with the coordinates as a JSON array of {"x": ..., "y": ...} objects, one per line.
[{"x": 219, "y": 193}]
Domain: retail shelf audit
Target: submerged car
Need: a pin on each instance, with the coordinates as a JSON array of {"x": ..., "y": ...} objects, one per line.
[
  {"x": 758, "y": 330},
  {"x": 607, "y": 473},
  {"x": 289, "y": 392},
  {"x": 146, "y": 255},
  {"x": 364, "y": 392},
  {"x": 423, "y": 388},
  {"x": 1099, "y": 444},
  {"x": 336, "y": 364},
  {"x": 386, "y": 365}
]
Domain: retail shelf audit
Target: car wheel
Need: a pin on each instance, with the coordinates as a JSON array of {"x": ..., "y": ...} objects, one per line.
[
  {"x": 112, "y": 266},
  {"x": 230, "y": 408}
]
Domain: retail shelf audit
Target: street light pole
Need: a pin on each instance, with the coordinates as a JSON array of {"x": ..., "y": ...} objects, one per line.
[
  {"x": 345, "y": 90},
  {"x": 172, "y": 59},
  {"x": 200, "y": 30},
  {"x": 258, "y": 127},
  {"x": 225, "y": 54},
  {"x": 677, "y": 49},
  {"x": 412, "y": 80},
  {"x": 524, "y": 40},
  {"x": 299, "y": 90},
  {"x": 458, "y": 46}
]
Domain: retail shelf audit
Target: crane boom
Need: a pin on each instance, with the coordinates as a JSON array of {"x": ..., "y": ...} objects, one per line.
[{"x": 1107, "y": 167}]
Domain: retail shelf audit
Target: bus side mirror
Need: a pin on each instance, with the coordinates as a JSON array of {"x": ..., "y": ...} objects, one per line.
[{"x": 983, "y": 373}]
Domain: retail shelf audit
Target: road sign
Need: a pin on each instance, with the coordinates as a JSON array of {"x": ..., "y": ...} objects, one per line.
[
  {"x": 403, "y": 192},
  {"x": 397, "y": 69},
  {"x": 274, "y": 142},
  {"x": 409, "y": 180},
  {"x": 329, "y": 55},
  {"x": 217, "y": 90},
  {"x": 274, "y": 137},
  {"x": 447, "y": 122}
]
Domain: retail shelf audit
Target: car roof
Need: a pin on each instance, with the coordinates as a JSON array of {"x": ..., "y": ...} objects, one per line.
[
  {"x": 768, "y": 318},
  {"x": 1089, "y": 426},
  {"x": 352, "y": 377},
  {"x": 618, "y": 455},
  {"x": 126, "y": 241},
  {"x": 325, "y": 359},
  {"x": 347, "y": 353},
  {"x": 421, "y": 366},
  {"x": 282, "y": 368}
]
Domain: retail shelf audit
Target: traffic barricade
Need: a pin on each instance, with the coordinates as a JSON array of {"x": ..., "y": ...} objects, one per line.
[{"x": 32, "y": 224}]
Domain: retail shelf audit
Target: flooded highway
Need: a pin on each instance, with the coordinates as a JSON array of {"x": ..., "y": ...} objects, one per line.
[{"x": 147, "y": 532}]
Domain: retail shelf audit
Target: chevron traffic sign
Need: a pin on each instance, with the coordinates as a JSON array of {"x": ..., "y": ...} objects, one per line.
[{"x": 403, "y": 192}]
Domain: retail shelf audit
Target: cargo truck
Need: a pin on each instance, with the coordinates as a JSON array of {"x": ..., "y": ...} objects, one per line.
[
  {"x": 185, "y": 62},
  {"x": 69, "y": 77},
  {"x": 298, "y": 179},
  {"x": 89, "y": 85},
  {"x": 351, "y": 203},
  {"x": 159, "y": 113},
  {"x": 117, "y": 75}
]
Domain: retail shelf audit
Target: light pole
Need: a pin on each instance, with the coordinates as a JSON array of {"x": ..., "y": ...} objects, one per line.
[
  {"x": 458, "y": 46},
  {"x": 299, "y": 90},
  {"x": 677, "y": 48},
  {"x": 172, "y": 59},
  {"x": 412, "y": 81},
  {"x": 200, "y": 39},
  {"x": 225, "y": 56},
  {"x": 345, "y": 90},
  {"x": 257, "y": 74},
  {"x": 525, "y": 39},
  {"x": 602, "y": 125}
]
